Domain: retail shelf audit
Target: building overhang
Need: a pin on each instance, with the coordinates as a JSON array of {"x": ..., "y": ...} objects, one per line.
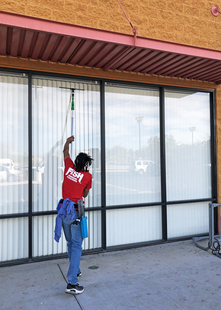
[{"x": 38, "y": 39}]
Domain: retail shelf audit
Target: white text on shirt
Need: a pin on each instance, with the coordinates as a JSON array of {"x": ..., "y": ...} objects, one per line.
[{"x": 74, "y": 175}]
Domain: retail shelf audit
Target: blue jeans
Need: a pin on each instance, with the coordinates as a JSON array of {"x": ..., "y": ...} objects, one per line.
[{"x": 74, "y": 239}]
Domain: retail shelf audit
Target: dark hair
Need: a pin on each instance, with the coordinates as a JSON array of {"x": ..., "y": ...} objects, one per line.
[{"x": 82, "y": 162}]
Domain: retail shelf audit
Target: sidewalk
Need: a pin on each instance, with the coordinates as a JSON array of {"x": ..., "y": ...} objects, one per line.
[{"x": 164, "y": 277}]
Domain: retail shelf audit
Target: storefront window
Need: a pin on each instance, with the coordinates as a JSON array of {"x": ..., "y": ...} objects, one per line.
[
  {"x": 188, "y": 145},
  {"x": 134, "y": 151},
  {"x": 188, "y": 161},
  {"x": 13, "y": 165},
  {"x": 132, "y": 145},
  {"x": 13, "y": 144},
  {"x": 52, "y": 125}
]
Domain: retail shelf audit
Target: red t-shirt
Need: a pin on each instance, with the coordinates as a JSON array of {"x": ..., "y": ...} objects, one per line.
[{"x": 74, "y": 182}]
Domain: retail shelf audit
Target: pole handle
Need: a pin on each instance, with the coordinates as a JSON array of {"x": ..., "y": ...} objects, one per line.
[{"x": 72, "y": 100}]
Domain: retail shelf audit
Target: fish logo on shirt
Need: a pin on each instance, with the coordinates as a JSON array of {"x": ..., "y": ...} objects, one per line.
[{"x": 74, "y": 175}]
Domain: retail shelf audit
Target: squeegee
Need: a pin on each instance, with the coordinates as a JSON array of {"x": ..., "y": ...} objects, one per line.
[{"x": 72, "y": 119}]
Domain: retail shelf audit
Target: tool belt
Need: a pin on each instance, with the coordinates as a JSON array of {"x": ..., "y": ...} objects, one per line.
[
  {"x": 75, "y": 205},
  {"x": 82, "y": 219},
  {"x": 80, "y": 208}
]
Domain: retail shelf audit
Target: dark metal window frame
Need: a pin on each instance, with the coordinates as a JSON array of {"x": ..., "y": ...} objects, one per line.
[{"x": 163, "y": 203}]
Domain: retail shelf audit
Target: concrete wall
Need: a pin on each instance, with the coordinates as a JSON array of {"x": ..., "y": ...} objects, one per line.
[{"x": 182, "y": 21}]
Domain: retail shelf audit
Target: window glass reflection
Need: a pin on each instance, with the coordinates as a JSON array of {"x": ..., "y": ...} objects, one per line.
[
  {"x": 13, "y": 144},
  {"x": 51, "y": 127},
  {"x": 188, "y": 160},
  {"x": 132, "y": 145}
]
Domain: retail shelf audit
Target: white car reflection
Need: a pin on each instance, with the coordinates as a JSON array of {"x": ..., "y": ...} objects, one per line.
[
  {"x": 141, "y": 166},
  {"x": 8, "y": 172},
  {"x": 3, "y": 174}
]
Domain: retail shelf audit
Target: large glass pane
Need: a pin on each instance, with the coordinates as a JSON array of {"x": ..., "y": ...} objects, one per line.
[
  {"x": 52, "y": 120},
  {"x": 94, "y": 231},
  {"x": 132, "y": 145},
  {"x": 13, "y": 144},
  {"x": 134, "y": 225},
  {"x": 43, "y": 235},
  {"x": 13, "y": 239},
  {"x": 188, "y": 160},
  {"x": 187, "y": 219}
]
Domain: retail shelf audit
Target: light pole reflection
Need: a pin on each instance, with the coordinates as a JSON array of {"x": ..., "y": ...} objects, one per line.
[
  {"x": 139, "y": 120},
  {"x": 192, "y": 129}
]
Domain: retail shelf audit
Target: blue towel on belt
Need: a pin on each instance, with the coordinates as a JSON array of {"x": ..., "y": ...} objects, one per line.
[{"x": 67, "y": 209}]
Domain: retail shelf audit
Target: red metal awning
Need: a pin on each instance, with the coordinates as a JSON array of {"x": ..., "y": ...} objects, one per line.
[{"x": 34, "y": 38}]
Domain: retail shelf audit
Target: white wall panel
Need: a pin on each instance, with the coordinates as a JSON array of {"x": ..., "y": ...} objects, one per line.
[
  {"x": 94, "y": 231},
  {"x": 133, "y": 225},
  {"x": 13, "y": 239},
  {"x": 187, "y": 219},
  {"x": 43, "y": 237}
]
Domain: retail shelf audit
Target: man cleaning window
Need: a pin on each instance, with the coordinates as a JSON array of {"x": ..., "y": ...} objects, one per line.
[{"x": 76, "y": 185}]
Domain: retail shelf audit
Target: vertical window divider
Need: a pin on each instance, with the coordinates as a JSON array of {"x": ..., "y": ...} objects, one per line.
[
  {"x": 213, "y": 144},
  {"x": 213, "y": 157},
  {"x": 163, "y": 163},
  {"x": 103, "y": 164},
  {"x": 30, "y": 165}
]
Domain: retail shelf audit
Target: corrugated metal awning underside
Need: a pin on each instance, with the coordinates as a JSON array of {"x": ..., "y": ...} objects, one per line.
[{"x": 33, "y": 38}]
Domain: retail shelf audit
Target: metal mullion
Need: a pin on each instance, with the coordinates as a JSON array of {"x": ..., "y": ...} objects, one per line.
[
  {"x": 13, "y": 215},
  {"x": 93, "y": 209},
  {"x": 163, "y": 164},
  {"x": 213, "y": 156},
  {"x": 130, "y": 206},
  {"x": 213, "y": 145},
  {"x": 177, "y": 202},
  {"x": 103, "y": 161},
  {"x": 30, "y": 165},
  {"x": 54, "y": 212}
]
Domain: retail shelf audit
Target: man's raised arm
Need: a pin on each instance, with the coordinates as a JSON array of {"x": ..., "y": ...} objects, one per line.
[{"x": 66, "y": 146}]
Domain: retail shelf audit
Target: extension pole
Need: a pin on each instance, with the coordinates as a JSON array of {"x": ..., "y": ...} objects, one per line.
[{"x": 72, "y": 119}]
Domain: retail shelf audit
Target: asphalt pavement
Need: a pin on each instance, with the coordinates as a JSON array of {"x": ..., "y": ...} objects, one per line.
[{"x": 170, "y": 276}]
